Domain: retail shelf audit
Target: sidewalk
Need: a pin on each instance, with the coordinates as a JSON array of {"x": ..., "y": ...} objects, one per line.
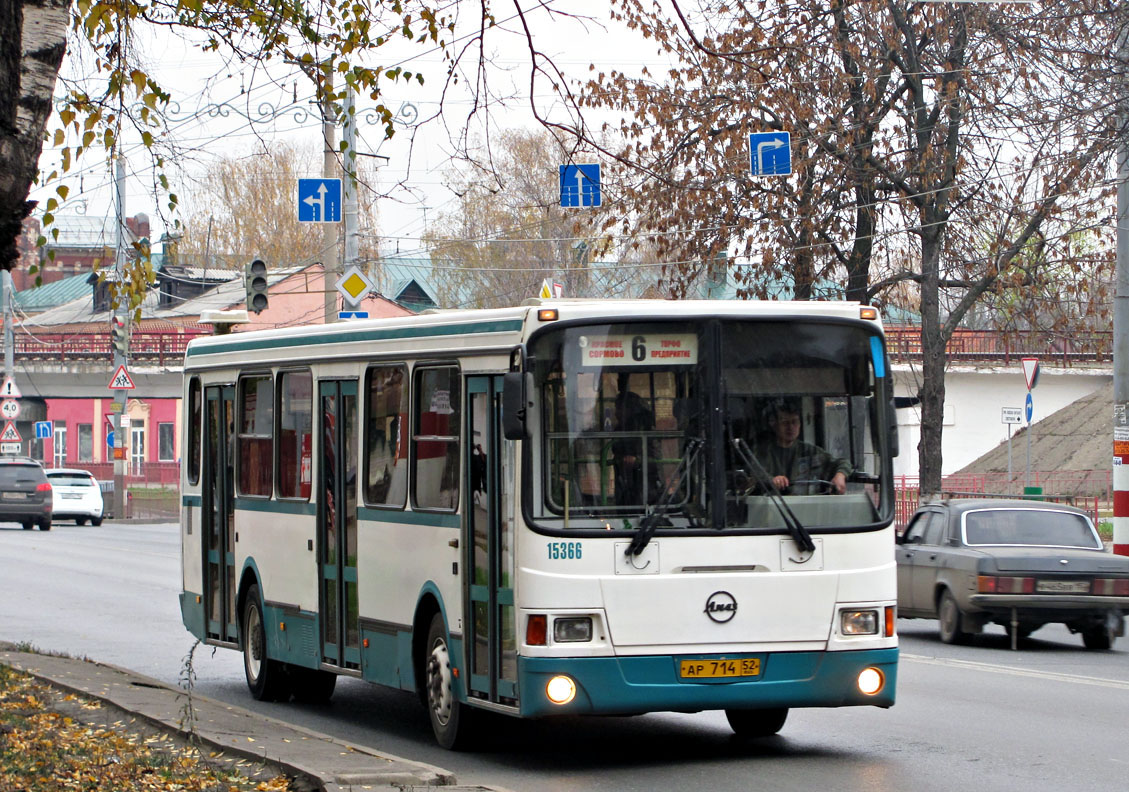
[{"x": 330, "y": 764}]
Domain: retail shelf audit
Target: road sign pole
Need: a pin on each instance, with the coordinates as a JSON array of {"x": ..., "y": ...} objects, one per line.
[
  {"x": 1009, "y": 458},
  {"x": 330, "y": 269},
  {"x": 1121, "y": 336}
]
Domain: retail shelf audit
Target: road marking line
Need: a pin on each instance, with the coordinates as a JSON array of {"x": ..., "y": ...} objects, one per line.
[{"x": 1013, "y": 670}]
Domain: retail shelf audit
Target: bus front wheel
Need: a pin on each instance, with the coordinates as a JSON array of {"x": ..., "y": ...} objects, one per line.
[
  {"x": 265, "y": 677},
  {"x": 449, "y": 717},
  {"x": 756, "y": 722}
]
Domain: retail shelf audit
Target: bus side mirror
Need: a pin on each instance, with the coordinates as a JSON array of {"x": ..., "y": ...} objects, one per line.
[{"x": 517, "y": 390}]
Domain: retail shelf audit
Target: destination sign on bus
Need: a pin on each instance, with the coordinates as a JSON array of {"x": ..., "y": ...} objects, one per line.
[{"x": 641, "y": 349}]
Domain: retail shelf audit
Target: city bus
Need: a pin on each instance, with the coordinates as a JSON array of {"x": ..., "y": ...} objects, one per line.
[{"x": 561, "y": 508}]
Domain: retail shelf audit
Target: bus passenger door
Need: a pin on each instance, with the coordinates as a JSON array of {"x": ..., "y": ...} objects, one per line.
[
  {"x": 219, "y": 513},
  {"x": 489, "y": 537},
  {"x": 337, "y": 523}
]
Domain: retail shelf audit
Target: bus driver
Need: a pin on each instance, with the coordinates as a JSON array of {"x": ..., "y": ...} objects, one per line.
[{"x": 794, "y": 464}]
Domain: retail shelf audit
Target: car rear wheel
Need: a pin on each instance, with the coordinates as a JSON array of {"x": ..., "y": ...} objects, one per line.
[
  {"x": 27, "y": 525},
  {"x": 95, "y": 521},
  {"x": 1099, "y": 637},
  {"x": 751, "y": 723},
  {"x": 45, "y": 525},
  {"x": 80, "y": 521},
  {"x": 949, "y": 615}
]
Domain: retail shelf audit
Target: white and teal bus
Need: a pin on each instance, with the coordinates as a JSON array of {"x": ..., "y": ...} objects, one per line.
[{"x": 565, "y": 507}]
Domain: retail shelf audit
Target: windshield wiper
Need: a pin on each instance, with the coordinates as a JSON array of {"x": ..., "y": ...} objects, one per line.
[
  {"x": 800, "y": 535},
  {"x": 672, "y": 485}
]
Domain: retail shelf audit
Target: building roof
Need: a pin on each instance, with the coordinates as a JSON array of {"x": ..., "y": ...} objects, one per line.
[{"x": 50, "y": 295}]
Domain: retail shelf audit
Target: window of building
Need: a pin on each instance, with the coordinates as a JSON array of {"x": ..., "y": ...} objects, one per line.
[
  {"x": 255, "y": 436},
  {"x": 386, "y": 459},
  {"x": 435, "y": 439},
  {"x": 85, "y": 442},
  {"x": 295, "y": 434},
  {"x": 166, "y": 442},
  {"x": 60, "y": 455}
]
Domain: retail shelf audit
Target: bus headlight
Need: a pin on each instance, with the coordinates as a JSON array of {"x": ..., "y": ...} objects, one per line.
[
  {"x": 560, "y": 690},
  {"x": 871, "y": 681},
  {"x": 859, "y": 622},
  {"x": 571, "y": 630}
]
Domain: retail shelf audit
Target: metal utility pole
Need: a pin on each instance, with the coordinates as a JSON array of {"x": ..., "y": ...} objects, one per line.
[
  {"x": 118, "y": 314},
  {"x": 1121, "y": 330},
  {"x": 331, "y": 265},
  {"x": 9, "y": 335},
  {"x": 350, "y": 176}
]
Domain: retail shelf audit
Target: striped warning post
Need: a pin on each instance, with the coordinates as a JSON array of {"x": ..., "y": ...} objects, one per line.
[{"x": 1120, "y": 490}]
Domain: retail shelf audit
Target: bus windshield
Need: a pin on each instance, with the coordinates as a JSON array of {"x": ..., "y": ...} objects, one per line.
[{"x": 721, "y": 424}]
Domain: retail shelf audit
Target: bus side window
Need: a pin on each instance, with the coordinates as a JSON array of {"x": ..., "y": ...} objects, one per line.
[
  {"x": 435, "y": 437},
  {"x": 295, "y": 434},
  {"x": 195, "y": 424},
  {"x": 386, "y": 455},
  {"x": 256, "y": 435}
]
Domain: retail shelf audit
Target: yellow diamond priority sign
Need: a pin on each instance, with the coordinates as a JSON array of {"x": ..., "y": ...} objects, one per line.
[{"x": 354, "y": 285}]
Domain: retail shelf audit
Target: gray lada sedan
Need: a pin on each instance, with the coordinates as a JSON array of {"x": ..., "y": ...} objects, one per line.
[{"x": 1018, "y": 563}]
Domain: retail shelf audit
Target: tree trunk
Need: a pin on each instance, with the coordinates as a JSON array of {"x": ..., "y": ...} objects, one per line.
[
  {"x": 33, "y": 39},
  {"x": 932, "y": 391}
]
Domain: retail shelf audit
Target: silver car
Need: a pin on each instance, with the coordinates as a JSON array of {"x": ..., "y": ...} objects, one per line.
[
  {"x": 1018, "y": 563},
  {"x": 77, "y": 496}
]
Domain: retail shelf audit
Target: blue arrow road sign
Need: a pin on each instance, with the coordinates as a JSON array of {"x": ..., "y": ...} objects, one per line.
[
  {"x": 109, "y": 439},
  {"x": 43, "y": 429},
  {"x": 580, "y": 185},
  {"x": 319, "y": 200},
  {"x": 770, "y": 153},
  {"x": 1030, "y": 408}
]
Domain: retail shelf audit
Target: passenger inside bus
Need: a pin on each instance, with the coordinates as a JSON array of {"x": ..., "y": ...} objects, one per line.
[
  {"x": 795, "y": 466},
  {"x": 632, "y": 415}
]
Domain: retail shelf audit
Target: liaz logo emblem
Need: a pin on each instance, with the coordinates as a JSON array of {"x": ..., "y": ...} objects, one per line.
[{"x": 721, "y": 606}]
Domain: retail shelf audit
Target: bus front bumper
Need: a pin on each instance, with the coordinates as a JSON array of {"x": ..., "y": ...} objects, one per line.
[{"x": 634, "y": 685}]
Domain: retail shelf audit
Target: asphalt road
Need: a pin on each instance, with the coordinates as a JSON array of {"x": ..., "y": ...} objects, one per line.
[{"x": 1049, "y": 717}]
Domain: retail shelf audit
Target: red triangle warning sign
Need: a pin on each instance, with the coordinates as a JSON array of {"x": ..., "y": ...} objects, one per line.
[
  {"x": 10, "y": 434},
  {"x": 121, "y": 380}
]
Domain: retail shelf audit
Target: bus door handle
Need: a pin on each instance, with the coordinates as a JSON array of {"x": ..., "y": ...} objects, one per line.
[{"x": 453, "y": 543}]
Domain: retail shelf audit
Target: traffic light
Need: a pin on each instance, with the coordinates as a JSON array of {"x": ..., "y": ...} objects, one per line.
[
  {"x": 119, "y": 336},
  {"x": 256, "y": 280}
]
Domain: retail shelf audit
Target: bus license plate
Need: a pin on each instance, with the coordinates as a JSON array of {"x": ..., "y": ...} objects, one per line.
[{"x": 715, "y": 669}]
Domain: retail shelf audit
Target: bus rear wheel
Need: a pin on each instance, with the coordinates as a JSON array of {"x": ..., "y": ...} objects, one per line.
[
  {"x": 756, "y": 722},
  {"x": 449, "y": 717},
  {"x": 265, "y": 677}
]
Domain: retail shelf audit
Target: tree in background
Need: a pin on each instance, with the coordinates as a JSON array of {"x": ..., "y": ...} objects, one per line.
[
  {"x": 932, "y": 145},
  {"x": 33, "y": 37},
  {"x": 243, "y": 209},
  {"x": 507, "y": 232}
]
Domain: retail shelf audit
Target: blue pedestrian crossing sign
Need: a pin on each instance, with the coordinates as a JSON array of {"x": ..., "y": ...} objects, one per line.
[
  {"x": 319, "y": 200},
  {"x": 580, "y": 185},
  {"x": 770, "y": 153}
]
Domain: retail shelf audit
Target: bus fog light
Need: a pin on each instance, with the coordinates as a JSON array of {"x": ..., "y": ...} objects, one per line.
[
  {"x": 860, "y": 622},
  {"x": 871, "y": 681},
  {"x": 572, "y": 629},
  {"x": 560, "y": 690}
]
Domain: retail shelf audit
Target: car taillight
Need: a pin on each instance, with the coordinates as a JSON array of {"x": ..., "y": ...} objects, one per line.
[
  {"x": 1111, "y": 587},
  {"x": 992, "y": 584},
  {"x": 44, "y": 487}
]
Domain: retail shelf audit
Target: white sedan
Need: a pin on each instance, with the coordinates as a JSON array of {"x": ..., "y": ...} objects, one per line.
[{"x": 77, "y": 496}]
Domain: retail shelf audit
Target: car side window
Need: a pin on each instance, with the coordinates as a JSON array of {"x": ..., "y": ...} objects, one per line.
[
  {"x": 915, "y": 531},
  {"x": 934, "y": 531}
]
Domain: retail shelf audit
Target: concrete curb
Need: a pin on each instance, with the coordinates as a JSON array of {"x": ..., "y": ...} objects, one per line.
[{"x": 328, "y": 763}]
